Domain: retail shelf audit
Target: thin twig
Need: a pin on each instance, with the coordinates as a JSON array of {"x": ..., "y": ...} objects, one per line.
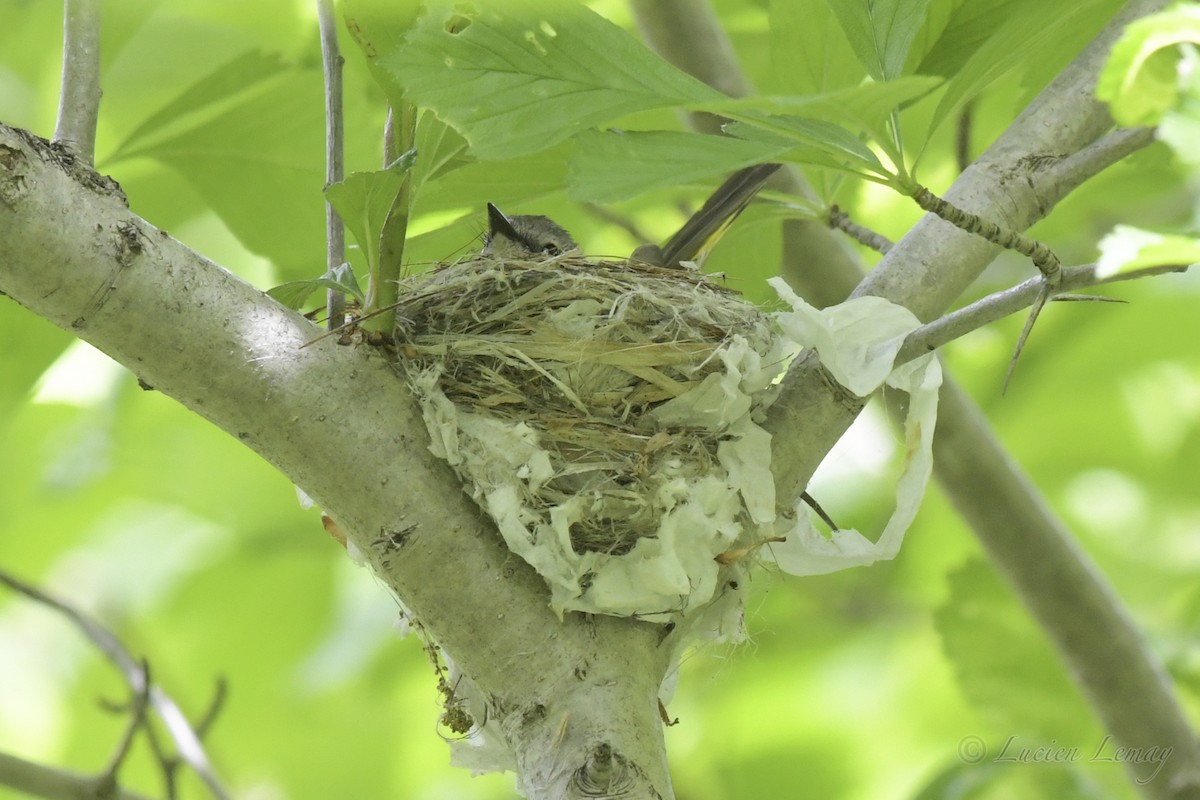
[
  {"x": 1042, "y": 257},
  {"x": 1104, "y": 152},
  {"x": 107, "y": 783},
  {"x": 1000, "y": 304},
  {"x": 335, "y": 231},
  {"x": 214, "y": 708},
  {"x": 841, "y": 221},
  {"x": 186, "y": 741},
  {"x": 79, "y": 99},
  {"x": 170, "y": 763},
  {"x": 1043, "y": 296}
]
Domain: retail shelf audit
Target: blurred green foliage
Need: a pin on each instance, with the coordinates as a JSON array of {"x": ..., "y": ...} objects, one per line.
[{"x": 862, "y": 685}]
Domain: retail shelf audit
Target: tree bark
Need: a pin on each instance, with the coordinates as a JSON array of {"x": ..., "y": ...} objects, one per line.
[{"x": 577, "y": 700}]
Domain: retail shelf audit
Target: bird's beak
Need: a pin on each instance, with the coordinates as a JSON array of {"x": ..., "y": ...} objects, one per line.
[{"x": 499, "y": 225}]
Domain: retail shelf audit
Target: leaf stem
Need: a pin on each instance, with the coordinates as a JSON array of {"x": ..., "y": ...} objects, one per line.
[{"x": 400, "y": 134}]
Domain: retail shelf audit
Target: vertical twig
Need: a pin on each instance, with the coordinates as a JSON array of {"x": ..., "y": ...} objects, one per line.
[
  {"x": 399, "y": 137},
  {"x": 335, "y": 231},
  {"x": 106, "y": 785},
  {"x": 79, "y": 100}
]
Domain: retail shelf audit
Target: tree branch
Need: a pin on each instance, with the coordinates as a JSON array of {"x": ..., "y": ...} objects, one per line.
[
  {"x": 71, "y": 252},
  {"x": 79, "y": 100},
  {"x": 1000, "y": 304}
]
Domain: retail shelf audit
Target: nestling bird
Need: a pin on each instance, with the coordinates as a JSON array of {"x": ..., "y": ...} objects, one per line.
[{"x": 524, "y": 236}]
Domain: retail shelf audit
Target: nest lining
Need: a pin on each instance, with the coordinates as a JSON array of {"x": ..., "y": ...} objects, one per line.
[{"x": 585, "y": 388}]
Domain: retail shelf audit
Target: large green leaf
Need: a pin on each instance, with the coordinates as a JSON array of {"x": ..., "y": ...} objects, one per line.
[
  {"x": 968, "y": 24},
  {"x": 378, "y": 28},
  {"x": 978, "y": 47},
  {"x": 809, "y": 52},
  {"x": 812, "y": 141},
  {"x": 521, "y": 77},
  {"x": 249, "y": 138},
  {"x": 440, "y": 151},
  {"x": 363, "y": 201},
  {"x": 611, "y": 166},
  {"x": 506, "y": 183},
  {"x": 237, "y": 80},
  {"x": 880, "y": 31},
  {"x": 865, "y": 107}
]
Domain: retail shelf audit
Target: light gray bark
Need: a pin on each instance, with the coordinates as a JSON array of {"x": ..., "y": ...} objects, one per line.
[{"x": 564, "y": 692}]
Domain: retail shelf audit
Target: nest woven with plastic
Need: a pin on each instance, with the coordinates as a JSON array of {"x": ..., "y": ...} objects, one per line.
[{"x": 591, "y": 408}]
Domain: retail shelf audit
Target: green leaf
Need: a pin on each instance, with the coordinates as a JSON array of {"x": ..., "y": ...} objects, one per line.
[
  {"x": 378, "y": 28},
  {"x": 507, "y": 183},
  {"x": 256, "y": 156},
  {"x": 1000, "y": 43},
  {"x": 611, "y": 166},
  {"x": 363, "y": 201},
  {"x": 866, "y": 106},
  {"x": 293, "y": 294},
  {"x": 880, "y": 31},
  {"x": 232, "y": 82},
  {"x": 809, "y": 52},
  {"x": 1140, "y": 81},
  {"x": 1128, "y": 249},
  {"x": 523, "y": 77},
  {"x": 812, "y": 141},
  {"x": 1180, "y": 127},
  {"x": 440, "y": 150}
]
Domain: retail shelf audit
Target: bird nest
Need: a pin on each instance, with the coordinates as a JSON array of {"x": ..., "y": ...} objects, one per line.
[{"x": 591, "y": 407}]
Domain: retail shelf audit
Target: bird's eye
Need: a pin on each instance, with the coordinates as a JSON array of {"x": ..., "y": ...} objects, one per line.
[{"x": 551, "y": 249}]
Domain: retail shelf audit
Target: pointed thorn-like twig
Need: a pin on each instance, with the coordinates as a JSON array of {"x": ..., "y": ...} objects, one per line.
[
  {"x": 1094, "y": 298},
  {"x": 1038, "y": 305}
]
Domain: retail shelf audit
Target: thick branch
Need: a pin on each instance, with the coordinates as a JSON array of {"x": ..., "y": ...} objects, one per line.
[
  {"x": 76, "y": 256},
  {"x": 79, "y": 100}
]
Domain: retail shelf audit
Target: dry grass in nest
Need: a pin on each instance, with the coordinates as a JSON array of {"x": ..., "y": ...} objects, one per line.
[{"x": 582, "y": 352}]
